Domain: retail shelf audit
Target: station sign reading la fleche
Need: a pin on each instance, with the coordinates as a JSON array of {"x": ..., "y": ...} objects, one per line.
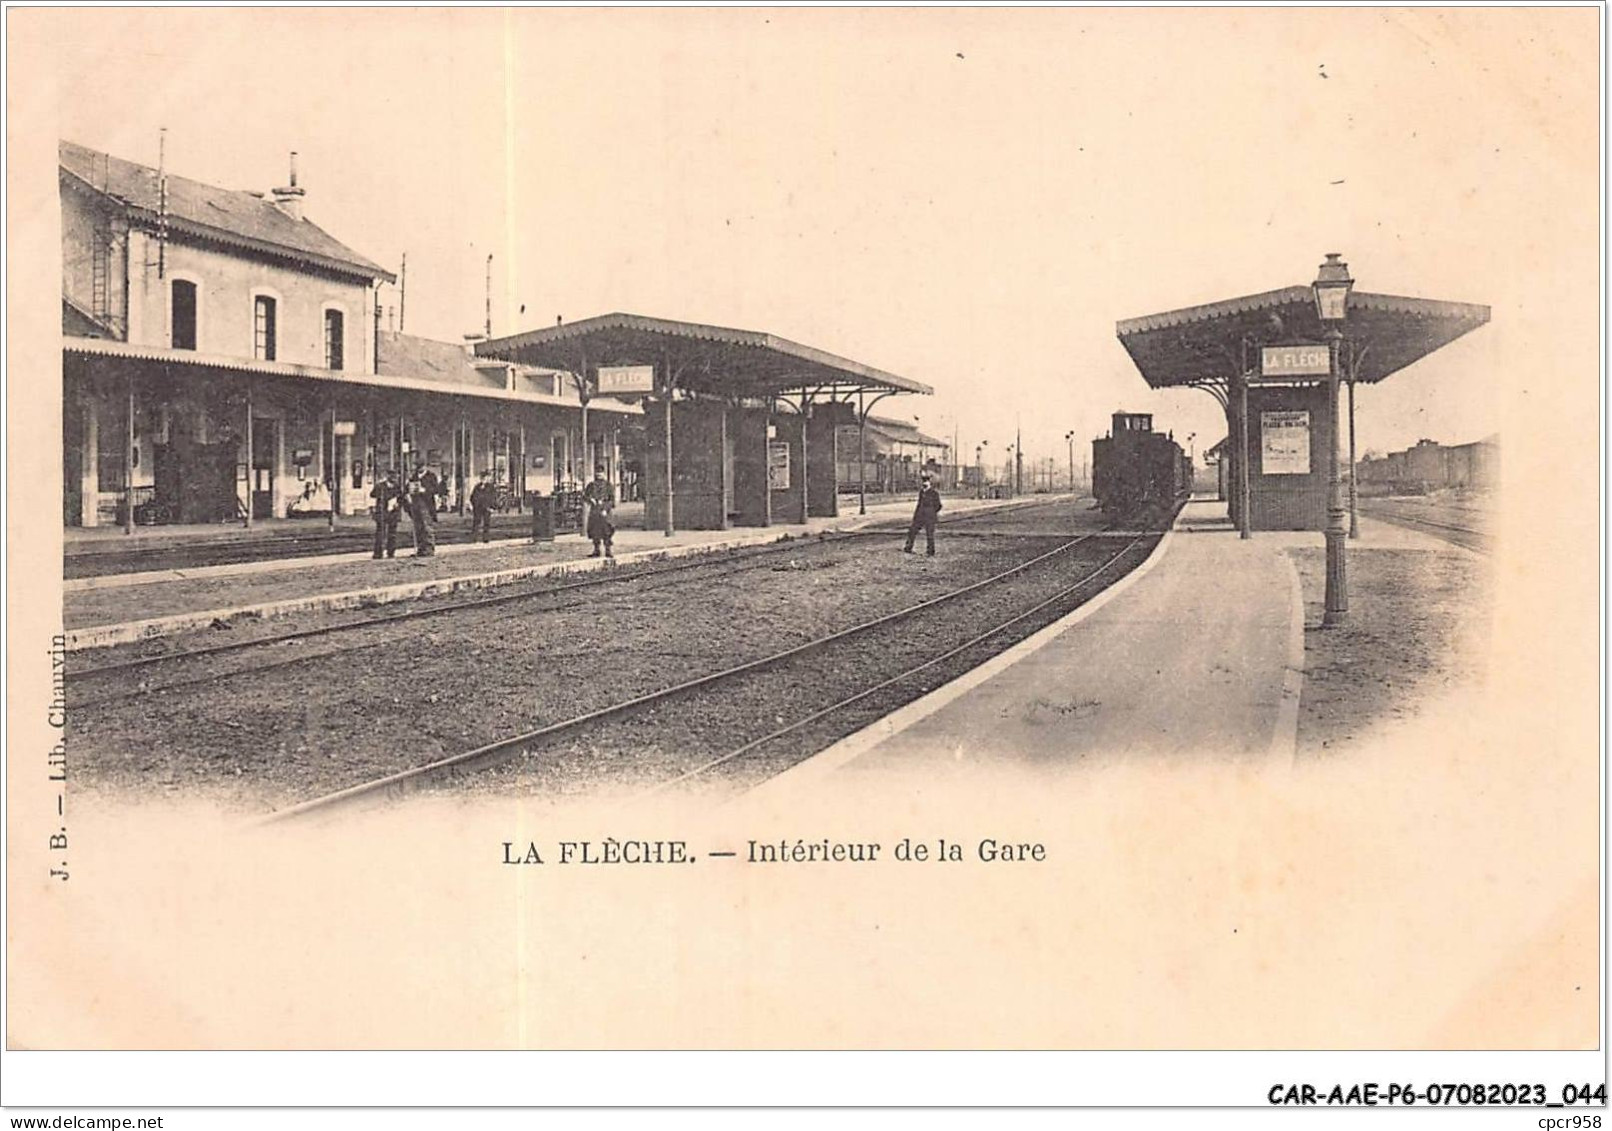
[
  {"x": 1294, "y": 361},
  {"x": 614, "y": 380}
]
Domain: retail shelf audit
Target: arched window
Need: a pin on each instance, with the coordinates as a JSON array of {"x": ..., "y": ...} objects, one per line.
[
  {"x": 263, "y": 328},
  {"x": 333, "y": 338},
  {"x": 183, "y": 333}
]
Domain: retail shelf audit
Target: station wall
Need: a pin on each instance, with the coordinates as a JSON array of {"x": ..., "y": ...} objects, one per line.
[
  {"x": 788, "y": 503},
  {"x": 752, "y": 502},
  {"x": 698, "y": 431},
  {"x": 822, "y": 443},
  {"x": 1281, "y": 498}
]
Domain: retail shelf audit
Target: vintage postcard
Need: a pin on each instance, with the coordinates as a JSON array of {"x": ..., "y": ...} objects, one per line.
[{"x": 728, "y": 530}]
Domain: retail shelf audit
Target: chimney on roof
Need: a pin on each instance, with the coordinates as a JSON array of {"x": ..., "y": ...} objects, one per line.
[{"x": 288, "y": 198}]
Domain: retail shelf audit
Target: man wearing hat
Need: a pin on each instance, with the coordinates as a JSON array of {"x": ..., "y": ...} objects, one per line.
[
  {"x": 601, "y": 499},
  {"x": 925, "y": 514},
  {"x": 481, "y": 507},
  {"x": 388, "y": 509},
  {"x": 418, "y": 500}
]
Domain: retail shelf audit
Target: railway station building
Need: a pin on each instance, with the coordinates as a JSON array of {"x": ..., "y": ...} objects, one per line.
[
  {"x": 1267, "y": 359},
  {"x": 893, "y": 454},
  {"x": 1431, "y": 466},
  {"x": 223, "y": 360},
  {"x": 741, "y": 427}
]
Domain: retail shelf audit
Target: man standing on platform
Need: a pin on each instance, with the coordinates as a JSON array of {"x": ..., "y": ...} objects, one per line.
[
  {"x": 925, "y": 514},
  {"x": 420, "y": 499},
  {"x": 481, "y": 507},
  {"x": 434, "y": 490},
  {"x": 601, "y": 499},
  {"x": 387, "y": 509}
]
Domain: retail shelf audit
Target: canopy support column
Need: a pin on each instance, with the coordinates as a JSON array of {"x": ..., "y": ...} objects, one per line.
[
  {"x": 584, "y": 393},
  {"x": 805, "y": 489},
  {"x": 1245, "y": 518},
  {"x": 1354, "y": 495},
  {"x": 667, "y": 388},
  {"x": 864, "y": 409},
  {"x": 332, "y": 472},
  {"x": 128, "y": 454},
  {"x": 251, "y": 459},
  {"x": 861, "y": 454}
]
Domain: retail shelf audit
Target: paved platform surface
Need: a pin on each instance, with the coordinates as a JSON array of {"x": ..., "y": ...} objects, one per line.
[
  {"x": 121, "y": 608},
  {"x": 1198, "y": 654}
]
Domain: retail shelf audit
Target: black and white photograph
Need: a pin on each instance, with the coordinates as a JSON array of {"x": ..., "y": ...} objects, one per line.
[{"x": 864, "y": 530}]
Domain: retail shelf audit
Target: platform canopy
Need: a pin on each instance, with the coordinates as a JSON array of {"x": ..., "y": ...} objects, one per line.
[
  {"x": 712, "y": 359},
  {"x": 1203, "y": 344}
]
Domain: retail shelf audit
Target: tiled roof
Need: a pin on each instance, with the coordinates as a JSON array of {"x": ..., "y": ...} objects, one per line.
[
  {"x": 904, "y": 432},
  {"x": 717, "y": 358},
  {"x": 230, "y": 216},
  {"x": 80, "y": 323},
  {"x": 218, "y": 363},
  {"x": 426, "y": 359},
  {"x": 449, "y": 365},
  {"x": 1382, "y": 333}
]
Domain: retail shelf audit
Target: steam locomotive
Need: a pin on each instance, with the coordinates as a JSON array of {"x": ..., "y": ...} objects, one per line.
[{"x": 1135, "y": 469}]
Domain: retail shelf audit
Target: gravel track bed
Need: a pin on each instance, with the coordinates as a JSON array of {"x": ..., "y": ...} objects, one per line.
[
  {"x": 354, "y": 632},
  {"x": 658, "y": 744},
  {"x": 1418, "y": 627},
  {"x": 446, "y": 685},
  {"x": 1029, "y": 519},
  {"x": 1454, "y": 533}
]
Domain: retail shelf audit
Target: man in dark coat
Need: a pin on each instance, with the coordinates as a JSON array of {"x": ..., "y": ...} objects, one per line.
[
  {"x": 924, "y": 515},
  {"x": 481, "y": 507},
  {"x": 387, "y": 509},
  {"x": 601, "y": 499},
  {"x": 419, "y": 498},
  {"x": 433, "y": 490}
]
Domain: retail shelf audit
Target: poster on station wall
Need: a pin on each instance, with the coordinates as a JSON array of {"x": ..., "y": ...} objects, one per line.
[
  {"x": 1285, "y": 443},
  {"x": 778, "y": 465}
]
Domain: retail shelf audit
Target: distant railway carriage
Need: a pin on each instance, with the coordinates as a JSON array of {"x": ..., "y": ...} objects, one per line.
[
  {"x": 1429, "y": 466},
  {"x": 1134, "y": 467}
]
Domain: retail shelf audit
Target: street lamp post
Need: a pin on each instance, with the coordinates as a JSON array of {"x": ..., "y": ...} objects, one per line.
[
  {"x": 1069, "y": 438},
  {"x": 1331, "y": 287},
  {"x": 979, "y": 469},
  {"x": 1007, "y": 472}
]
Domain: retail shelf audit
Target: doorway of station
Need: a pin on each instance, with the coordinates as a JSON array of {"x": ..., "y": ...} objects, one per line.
[
  {"x": 265, "y": 445},
  {"x": 560, "y": 459}
]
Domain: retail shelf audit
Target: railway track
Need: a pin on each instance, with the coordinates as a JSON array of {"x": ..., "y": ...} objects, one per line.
[
  {"x": 1467, "y": 537},
  {"x": 692, "y": 695},
  {"x": 761, "y": 753},
  {"x": 683, "y": 571},
  {"x": 100, "y": 560}
]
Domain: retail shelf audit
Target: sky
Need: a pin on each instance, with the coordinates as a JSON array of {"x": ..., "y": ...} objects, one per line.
[{"x": 970, "y": 198}]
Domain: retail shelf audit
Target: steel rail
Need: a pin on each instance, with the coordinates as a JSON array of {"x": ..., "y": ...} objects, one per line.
[
  {"x": 482, "y": 756},
  {"x": 790, "y": 728},
  {"x": 1414, "y": 522},
  {"x": 617, "y": 576},
  {"x": 611, "y": 576}
]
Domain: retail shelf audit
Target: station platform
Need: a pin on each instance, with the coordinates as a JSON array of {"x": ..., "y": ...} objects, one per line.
[
  {"x": 1197, "y": 653},
  {"x": 122, "y": 608},
  {"x": 87, "y": 540}
]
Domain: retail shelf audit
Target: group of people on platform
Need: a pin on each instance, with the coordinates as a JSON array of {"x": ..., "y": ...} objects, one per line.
[{"x": 421, "y": 496}]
